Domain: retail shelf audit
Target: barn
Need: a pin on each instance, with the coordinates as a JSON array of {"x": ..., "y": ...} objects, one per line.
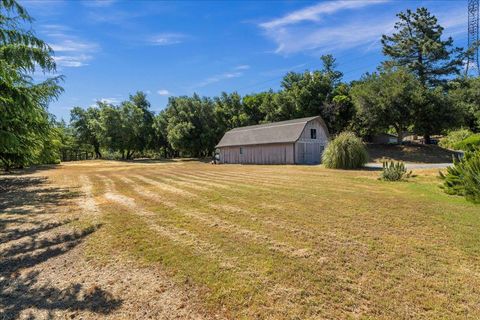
[{"x": 298, "y": 141}]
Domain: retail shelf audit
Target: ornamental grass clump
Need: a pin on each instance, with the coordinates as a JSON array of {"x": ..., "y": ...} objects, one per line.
[
  {"x": 394, "y": 171},
  {"x": 346, "y": 151},
  {"x": 463, "y": 178}
]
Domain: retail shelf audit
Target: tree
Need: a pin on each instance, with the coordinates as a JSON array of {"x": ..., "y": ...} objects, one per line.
[
  {"x": 86, "y": 126},
  {"x": 160, "y": 138},
  {"x": 339, "y": 112},
  {"x": 191, "y": 125},
  {"x": 386, "y": 99},
  {"x": 417, "y": 45},
  {"x": 229, "y": 112},
  {"x": 139, "y": 99},
  {"x": 25, "y": 126},
  {"x": 435, "y": 112},
  {"x": 257, "y": 106},
  {"x": 315, "y": 93},
  {"x": 465, "y": 95}
]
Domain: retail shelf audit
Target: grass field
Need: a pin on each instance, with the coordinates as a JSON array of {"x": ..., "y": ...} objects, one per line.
[{"x": 266, "y": 242}]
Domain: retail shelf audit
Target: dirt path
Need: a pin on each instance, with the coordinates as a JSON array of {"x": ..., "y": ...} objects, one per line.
[{"x": 44, "y": 274}]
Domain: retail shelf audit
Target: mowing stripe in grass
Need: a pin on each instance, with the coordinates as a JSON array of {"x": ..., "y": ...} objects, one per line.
[
  {"x": 229, "y": 228},
  {"x": 87, "y": 203},
  {"x": 175, "y": 234},
  {"x": 165, "y": 187}
]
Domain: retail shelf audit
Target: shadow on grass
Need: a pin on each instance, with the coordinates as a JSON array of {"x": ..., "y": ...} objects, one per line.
[
  {"x": 27, "y": 241},
  {"x": 29, "y": 195},
  {"x": 416, "y": 153}
]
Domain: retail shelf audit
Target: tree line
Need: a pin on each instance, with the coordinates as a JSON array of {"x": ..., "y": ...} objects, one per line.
[{"x": 419, "y": 88}]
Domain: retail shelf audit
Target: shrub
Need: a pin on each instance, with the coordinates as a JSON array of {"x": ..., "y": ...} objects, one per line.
[
  {"x": 464, "y": 177},
  {"x": 346, "y": 151},
  {"x": 394, "y": 171},
  {"x": 469, "y": 144},
  {"x": 454, "y": 137}
]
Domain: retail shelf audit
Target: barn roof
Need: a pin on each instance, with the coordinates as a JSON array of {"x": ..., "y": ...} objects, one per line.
[{"x": 275, "y": 132}]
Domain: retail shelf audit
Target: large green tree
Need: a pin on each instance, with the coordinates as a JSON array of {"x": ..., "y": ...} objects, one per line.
[
  {"x": 140, "y": 100},
  {"x": 25, "y": 125},
  {"x": 417, "y": 44},
  {"x": 385, "y": 100},
  {"x": 313, "y": 93},
  {"x": 465, "y": 95},
  {"x": 191, "y": 125},
  {"x": 86, "y": 126}
]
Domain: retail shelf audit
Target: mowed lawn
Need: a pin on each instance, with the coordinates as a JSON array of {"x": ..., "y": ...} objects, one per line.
[{"x": 286, "y": 242}]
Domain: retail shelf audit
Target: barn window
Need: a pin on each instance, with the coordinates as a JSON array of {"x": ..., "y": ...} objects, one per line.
[
  {"x": 313, "y": 133},
  {"x": 241, "y": 150}
]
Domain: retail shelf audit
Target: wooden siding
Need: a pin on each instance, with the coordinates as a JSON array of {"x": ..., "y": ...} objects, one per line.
[
  {"x": 281, "y": 153},
  {"x": 308, "y": 150}
]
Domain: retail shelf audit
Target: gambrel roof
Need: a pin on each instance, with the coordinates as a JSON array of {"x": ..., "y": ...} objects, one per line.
[{"x": 275, "y": 132}]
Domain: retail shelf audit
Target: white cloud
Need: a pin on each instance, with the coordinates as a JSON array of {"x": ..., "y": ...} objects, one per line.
[
  {"x": 70, "y": 50},
  {"x": 454, "y": 21},
  {"x": 314, "y": 13},
  {"x": 98, "y": 3},
  {"x": 218, "y": 78},
  {"x": 74, "y": 61},
  {"x": 108, "y": 100},
  {"x": 166, "y": 39},
  {"x": 242, "y": 67},
  {"x": 163, "y": 92},
  {"x": 70, "y": 45},
  {"x": 316, "y": 35}
]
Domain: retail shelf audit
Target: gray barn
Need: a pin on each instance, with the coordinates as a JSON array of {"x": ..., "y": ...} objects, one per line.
[{"x": 299, "y": 141}]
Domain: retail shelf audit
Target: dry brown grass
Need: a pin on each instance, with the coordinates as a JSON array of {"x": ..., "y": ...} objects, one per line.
[{"x": 270, "y": 242}]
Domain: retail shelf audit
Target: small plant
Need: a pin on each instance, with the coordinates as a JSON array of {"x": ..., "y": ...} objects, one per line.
[
  {"x": 463, "y": 178},
  {"x": 346, "y": 151},
  {"x": 394, "y": 171}
]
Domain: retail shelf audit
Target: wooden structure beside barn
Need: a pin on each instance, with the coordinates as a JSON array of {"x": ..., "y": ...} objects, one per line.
[{"x": 299, "y": 141}]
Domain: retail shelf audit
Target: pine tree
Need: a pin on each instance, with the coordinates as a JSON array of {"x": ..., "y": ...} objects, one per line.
[{"x": 417, "y": 45}]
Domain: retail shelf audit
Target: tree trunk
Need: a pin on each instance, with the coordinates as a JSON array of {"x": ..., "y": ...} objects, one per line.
[
  {"x": 98, "y": 155},
  {"x": 426, "y": 139},
  {"x": 399, "y": 134},
  {"x": 400, "y": 137}
]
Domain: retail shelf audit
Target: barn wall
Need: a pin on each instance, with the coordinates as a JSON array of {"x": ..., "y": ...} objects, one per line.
[
  {"x": 309, "y": 150},
  {"x": 259, "y": 154}
]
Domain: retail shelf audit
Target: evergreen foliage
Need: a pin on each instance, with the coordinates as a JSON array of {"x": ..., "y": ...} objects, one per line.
[
  {"x": 26, "y": 135},
  {"x": 417, "y": 44},
  {"x": 346, "y": 151},
  {"x": 464, "y": 177}
]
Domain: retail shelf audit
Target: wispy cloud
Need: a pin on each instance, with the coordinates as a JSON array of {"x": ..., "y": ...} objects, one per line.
[
  {"x": 315, "y": 13},
  {"x": 98, "y": 3},
  {"x": 70, "y": 50},
  {"x": 317, "y": 35},
  {"x": 218, "y": 78},
  {"x": 163, "y": 92},
  {"x": 107, "y": 100},
  {"x": 166, "y": 39},
  {"x": 242, "y": 67}
]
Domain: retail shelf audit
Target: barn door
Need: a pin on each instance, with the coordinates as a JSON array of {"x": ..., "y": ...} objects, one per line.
[{"x": 309, "y": 153}]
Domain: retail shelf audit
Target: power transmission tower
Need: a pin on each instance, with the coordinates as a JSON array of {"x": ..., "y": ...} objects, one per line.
[{"x": 473, "y": 39}]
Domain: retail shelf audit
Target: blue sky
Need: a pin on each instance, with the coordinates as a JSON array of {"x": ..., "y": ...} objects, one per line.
[{"x": 109, "y": 49}]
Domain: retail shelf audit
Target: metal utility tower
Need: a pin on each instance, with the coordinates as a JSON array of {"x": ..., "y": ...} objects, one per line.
[{"x": 473, "y": 39}]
